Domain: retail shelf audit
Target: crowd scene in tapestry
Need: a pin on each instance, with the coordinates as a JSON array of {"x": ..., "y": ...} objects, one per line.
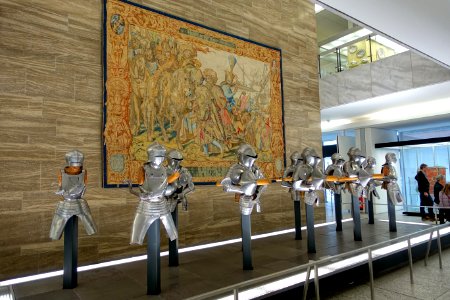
[{"x": 204, "y": 111}]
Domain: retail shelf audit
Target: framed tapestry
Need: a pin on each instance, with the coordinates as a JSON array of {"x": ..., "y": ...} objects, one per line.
[{"x": 188, "y": 87}]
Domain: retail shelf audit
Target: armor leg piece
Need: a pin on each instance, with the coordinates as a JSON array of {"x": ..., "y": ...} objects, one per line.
[
  {"x": 141, "y": 224},
  {"x": 171, "y": 229}
]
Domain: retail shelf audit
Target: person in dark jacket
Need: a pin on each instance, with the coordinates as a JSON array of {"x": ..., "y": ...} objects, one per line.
[
  {"x": 438, "y": 186},
  {"x": 425, "y": 198}
]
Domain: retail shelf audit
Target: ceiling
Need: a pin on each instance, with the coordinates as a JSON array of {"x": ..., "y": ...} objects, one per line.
[{"x": 417, "y": 110}]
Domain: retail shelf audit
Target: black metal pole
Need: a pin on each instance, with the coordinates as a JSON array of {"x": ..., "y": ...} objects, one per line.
[
  {"x": 356, "y": 219},
  {"x": 391, "y": 214},
  {"x": 246, "y": 242},
  {"x": 70, "y": 278},
  {"x": 153, "y": 259},
  {"x": 298, "y": 220},
  {"x": 173, "y": 245},
  {"x": 338, "y": 211},
  {"x": 310, "y": 228},
  {"x": 370, "y": 209}
]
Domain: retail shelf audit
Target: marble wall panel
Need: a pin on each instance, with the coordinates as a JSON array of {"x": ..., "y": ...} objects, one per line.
[
  {"x": 328, "y": 91},
  {"x": 354, "y": 85},
  {"x": 392, "y": 74},
  {"x": 51, "y": 102},
  {"x": 426, "y": 72},
  {"x": 400, "y": 72}
]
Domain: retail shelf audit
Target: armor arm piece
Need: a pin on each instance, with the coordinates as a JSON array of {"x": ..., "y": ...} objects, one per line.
[
  {"x": 287, "y": 173},
  {"x": 231, "y": 181},
  {"x": 300, "y": 178}
]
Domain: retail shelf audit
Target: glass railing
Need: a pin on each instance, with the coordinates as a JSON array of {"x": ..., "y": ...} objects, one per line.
[{"x": 361, "y": 51}]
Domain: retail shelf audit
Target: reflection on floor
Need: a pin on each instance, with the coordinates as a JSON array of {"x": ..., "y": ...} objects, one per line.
[{"x": 205, "y": 270}]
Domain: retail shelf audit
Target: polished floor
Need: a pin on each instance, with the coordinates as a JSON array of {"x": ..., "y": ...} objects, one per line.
[{"x": 205, "y": 270}]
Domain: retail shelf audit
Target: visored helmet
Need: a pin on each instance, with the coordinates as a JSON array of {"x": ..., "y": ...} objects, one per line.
[
  {"x": 337, "y": 159},
  {"x": 154, "y": 151},
  {"x": 296, "y": 157},
  {"x": 246, "y": 155},
  {"x": 371, "y": 161},
  {"x": 309, "y": 155},
  {"x": 390, "y": 157},
  {"x": 74, "y": 158},
  {"x": 175, "y": 157}
]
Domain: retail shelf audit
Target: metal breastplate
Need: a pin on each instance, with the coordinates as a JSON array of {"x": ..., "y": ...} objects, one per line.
[
  {"x": 71, "y": 182},
  {"x": 244, "y": 177},
  {"x": 155, "y": 179}
]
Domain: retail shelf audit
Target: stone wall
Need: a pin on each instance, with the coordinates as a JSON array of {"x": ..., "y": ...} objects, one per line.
[{"x": 51, "y": 102}]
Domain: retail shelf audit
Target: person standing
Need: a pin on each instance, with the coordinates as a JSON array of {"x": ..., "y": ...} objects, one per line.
[
  {"x": 438, "y": 186},
  {"x": 425, "y": 198},
  {"x": 444, "y": 204}
]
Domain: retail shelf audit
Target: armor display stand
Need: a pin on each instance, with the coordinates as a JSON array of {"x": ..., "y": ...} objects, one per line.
[
  {"x": 153, "y": 259},
  {"x": 356, "y": 219},
  {"x": 246, "y": 242},
  {"x": 298, "y": 220},
  {"x": 310, "y": 228},
  {"x": 391, "y": 214},
  {"x": 370, "y": 209},
  {"x": 70, "y": 278},
  {"x": 338, "y": 211},
  {"x": 173, "y": 245}
]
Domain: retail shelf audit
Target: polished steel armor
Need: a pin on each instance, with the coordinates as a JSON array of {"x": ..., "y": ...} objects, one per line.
[
  {"x": 72, "y": 188},
  {"x": 242, "y": 179},
  {"x": 390, "y": 184},
  {"x": 183, "y": 185},
  {"x": 308, "y": 176},
  {"x": 353, "y": 169},
  {"x": 152, "y": 193},
  {"x": 296, "y": 159},
  {"x": 369, "y": 167},
  {"x": 335, "y": 169}
]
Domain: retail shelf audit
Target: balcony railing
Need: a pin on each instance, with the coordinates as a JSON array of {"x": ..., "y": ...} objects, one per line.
[{"x": 361, "y": 51}]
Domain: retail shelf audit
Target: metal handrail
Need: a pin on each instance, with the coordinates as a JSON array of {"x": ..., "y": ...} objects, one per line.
[{"x": 234, "y": 288}]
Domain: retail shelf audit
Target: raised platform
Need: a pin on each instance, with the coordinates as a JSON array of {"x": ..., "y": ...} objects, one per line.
[{"x": 208, "y": 269}]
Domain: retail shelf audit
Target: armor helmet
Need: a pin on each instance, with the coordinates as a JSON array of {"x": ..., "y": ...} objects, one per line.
[
  {"x": 390, "y": 157},
  {"x": 246, "y": 155},
  {"x": 308, "y": 156},
  {"x": 175, "y": 158},
  {"x": 74, "y": 158},
  {"x": 296, "y": 157},
  {"x": 156, "y": 153},
  {"x": 337, "y": 159},
  {"x": 371, "y": 161}
]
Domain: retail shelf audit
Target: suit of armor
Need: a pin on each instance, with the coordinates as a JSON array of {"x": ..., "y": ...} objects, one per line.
[
  {"x": 153, "y": 190},
  {"x": 72, "y": 180},
  {"x": 296, "y": 159},
  {"x": 369, "y": 168},
  {"x": 353, "y": 169},
  {"x": 183, "y": 185},
  {"x": 390, "y": 174},
  {"x": 335, "y": 169},
  {"x": 308, "y": 176},
  {"x": 242, "y": 179}
]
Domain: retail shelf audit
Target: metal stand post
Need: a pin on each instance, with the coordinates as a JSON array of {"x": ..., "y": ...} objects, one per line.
[
  {"x": 246, "y": 242},
  {"x": 70, "y": 278},
  {"x": 173, "y": 245},
  {"x": 153, "y": 259},
  {"x": 391, "y": 214},
  {"x": 338, "y": 211},
  {"x": 370, "y": 209},
  {"x": 310, "y": 228},
  {"x": 356, "y": 219},
  {"x": 298, "y": 220}
]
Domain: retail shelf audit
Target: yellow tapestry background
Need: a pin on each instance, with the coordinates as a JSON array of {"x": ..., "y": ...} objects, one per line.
[{"x": 189, "y": 88}]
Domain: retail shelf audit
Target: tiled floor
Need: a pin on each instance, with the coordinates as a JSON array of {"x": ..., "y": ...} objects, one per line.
[{"x": 204, "y": 270}]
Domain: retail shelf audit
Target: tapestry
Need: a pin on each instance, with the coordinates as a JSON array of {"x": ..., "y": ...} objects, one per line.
[{"x": 187, "y": 87}]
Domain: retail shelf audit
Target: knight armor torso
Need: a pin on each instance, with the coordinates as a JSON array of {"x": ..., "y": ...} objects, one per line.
[
  {"x": 71, "y": 189},
  {"x": 155, "y": 183}
]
